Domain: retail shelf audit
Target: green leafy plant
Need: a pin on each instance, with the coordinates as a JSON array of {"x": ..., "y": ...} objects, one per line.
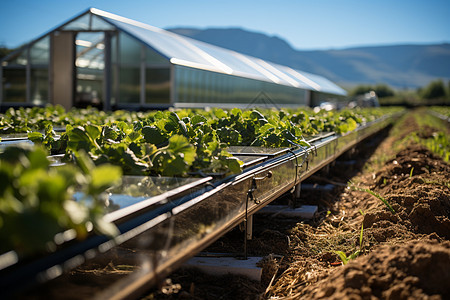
[
  {"x": 411, "y": 172},
  {"x": 139, "y": 142},
  {"x": 36, "y": 200},
  {"x": 344, "y": 258}
]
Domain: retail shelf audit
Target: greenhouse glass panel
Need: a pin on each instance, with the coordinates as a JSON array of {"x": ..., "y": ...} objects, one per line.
[
  {"x": 157, "y": 86},
  {"x": 182, "y": 83},
  {"x": 88, "y": 22},
  {"x": 81, "y": 23},
  {"x": 19, "y": 58},
  {"x": 130, "y": 84},
  {"x": 100, "y": 24},
  {"x": 129, "y": 69},
  {"x": 90, "y": 49},
  {"x": 39, "y": 86},
  {"x": 185, "y": 83},
  {"x": 152, "y": 58},
  {"x": 40, "y": 52},
  {"x": 130, "y": 50},
  {"x": 14, "y": 85},
  {"x": 89, "y": 68}
]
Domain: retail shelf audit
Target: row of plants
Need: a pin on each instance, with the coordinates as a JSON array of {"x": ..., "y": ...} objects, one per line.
[
  {"x": 101, "y": 147},
  {"x": 24, "y": 120},
  {"x": 437, "y": 141},
  {"x": 442, "y": 110},
  {"x": 175, "y": 143}
]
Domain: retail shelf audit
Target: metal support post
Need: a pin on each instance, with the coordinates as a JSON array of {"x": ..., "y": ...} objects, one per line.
[
  {"x": 296, "y": 195},
  {"x": 107, "y": 73},
  {"x": 249, "y": 231}
]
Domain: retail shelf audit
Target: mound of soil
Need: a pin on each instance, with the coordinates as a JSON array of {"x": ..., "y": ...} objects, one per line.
[
  {"x": 416, "y": 270},
  {"x": 409, "y": 254},
  {"x": 416, "y": 183}
]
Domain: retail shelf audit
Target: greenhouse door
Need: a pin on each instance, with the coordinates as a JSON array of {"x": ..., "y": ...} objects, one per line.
[{"x": 89, "y": 69}]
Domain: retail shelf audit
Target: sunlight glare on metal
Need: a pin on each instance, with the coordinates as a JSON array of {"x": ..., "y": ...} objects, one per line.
[
  {"x": 187, "y": 63},
  {"x": 277, "y": 72},
  {"x": 257, "y": 67},
  {"x": 304, "y": 79},
  {"x": 206, "y": 56}
]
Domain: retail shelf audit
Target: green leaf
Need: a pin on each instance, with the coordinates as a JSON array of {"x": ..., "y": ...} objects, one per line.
[
  {"x": 84, "y": 162},
  {"x": 236, "y": 111},
  {"x": 342, "y": 256},
  {"x": 78, "y": 139},
  {"x": 288, "y": 135},
  {"x": 36, "y": 137},
  {"x": 179, "y": 144},
  {"x": 103, "y": 177},
  {"x": 134, "y": 136},
  {"x": 272, "y": 140},
  {"x": 78, "y": 134},
  {"x": 93, "y": 131},
  {"x": 38, "y": 159},
  {"x": 183, "y": 129},
  {"x": 175, "y": 166},
  {"x": 265, "y": 128},
  {"x": 220, "y": 113},
  {"x": 17, "y": 154},
  {"x": 234, "y": 164},
  {"x": 110, "y": 133},
  {"x": 153, "y": 135},
  {"x": 52, "y": 188},
  {"x": 354, "y": 255},
  {"x": 197, "y": 119}
]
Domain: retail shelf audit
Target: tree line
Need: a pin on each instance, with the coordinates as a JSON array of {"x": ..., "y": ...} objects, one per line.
[{"x": 435, "y": 93}]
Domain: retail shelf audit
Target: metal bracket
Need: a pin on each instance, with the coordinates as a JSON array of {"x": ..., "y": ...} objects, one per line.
[{"x": 254, "y": 186}]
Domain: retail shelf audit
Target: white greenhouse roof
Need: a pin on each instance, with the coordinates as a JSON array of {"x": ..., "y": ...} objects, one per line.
[{"x": 188, "y": 52}]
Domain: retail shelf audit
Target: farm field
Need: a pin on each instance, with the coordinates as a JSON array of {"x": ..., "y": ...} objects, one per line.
[
  {"x": 388, "y": 212},
  {"x": 401, "y": 255}
]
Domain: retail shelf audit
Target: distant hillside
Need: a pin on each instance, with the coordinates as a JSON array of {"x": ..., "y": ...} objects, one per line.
[{"x": 400, "y": 66}]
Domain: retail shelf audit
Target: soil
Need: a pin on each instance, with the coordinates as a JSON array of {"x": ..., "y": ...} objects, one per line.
[{"x": 403, "y": 254}]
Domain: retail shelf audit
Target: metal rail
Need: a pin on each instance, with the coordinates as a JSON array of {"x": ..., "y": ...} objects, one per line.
[{"x": 161, "y": 232}]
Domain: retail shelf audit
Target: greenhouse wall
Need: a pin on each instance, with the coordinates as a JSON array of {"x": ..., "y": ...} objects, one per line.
[
  {"x": 142, "y": 77},
  {"x": 25, "y": 75},
  {"x": 196, "y": 88}
]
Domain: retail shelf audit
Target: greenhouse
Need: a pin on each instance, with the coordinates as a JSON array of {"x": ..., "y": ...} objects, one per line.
[{"x": 108, "y": 61}]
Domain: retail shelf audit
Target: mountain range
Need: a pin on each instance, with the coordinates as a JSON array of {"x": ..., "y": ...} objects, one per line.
[{"x": 399, "y": 66}]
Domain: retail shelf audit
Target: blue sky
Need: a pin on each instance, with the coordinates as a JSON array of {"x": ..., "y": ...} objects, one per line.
[{"x": 311, "y": 24}]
